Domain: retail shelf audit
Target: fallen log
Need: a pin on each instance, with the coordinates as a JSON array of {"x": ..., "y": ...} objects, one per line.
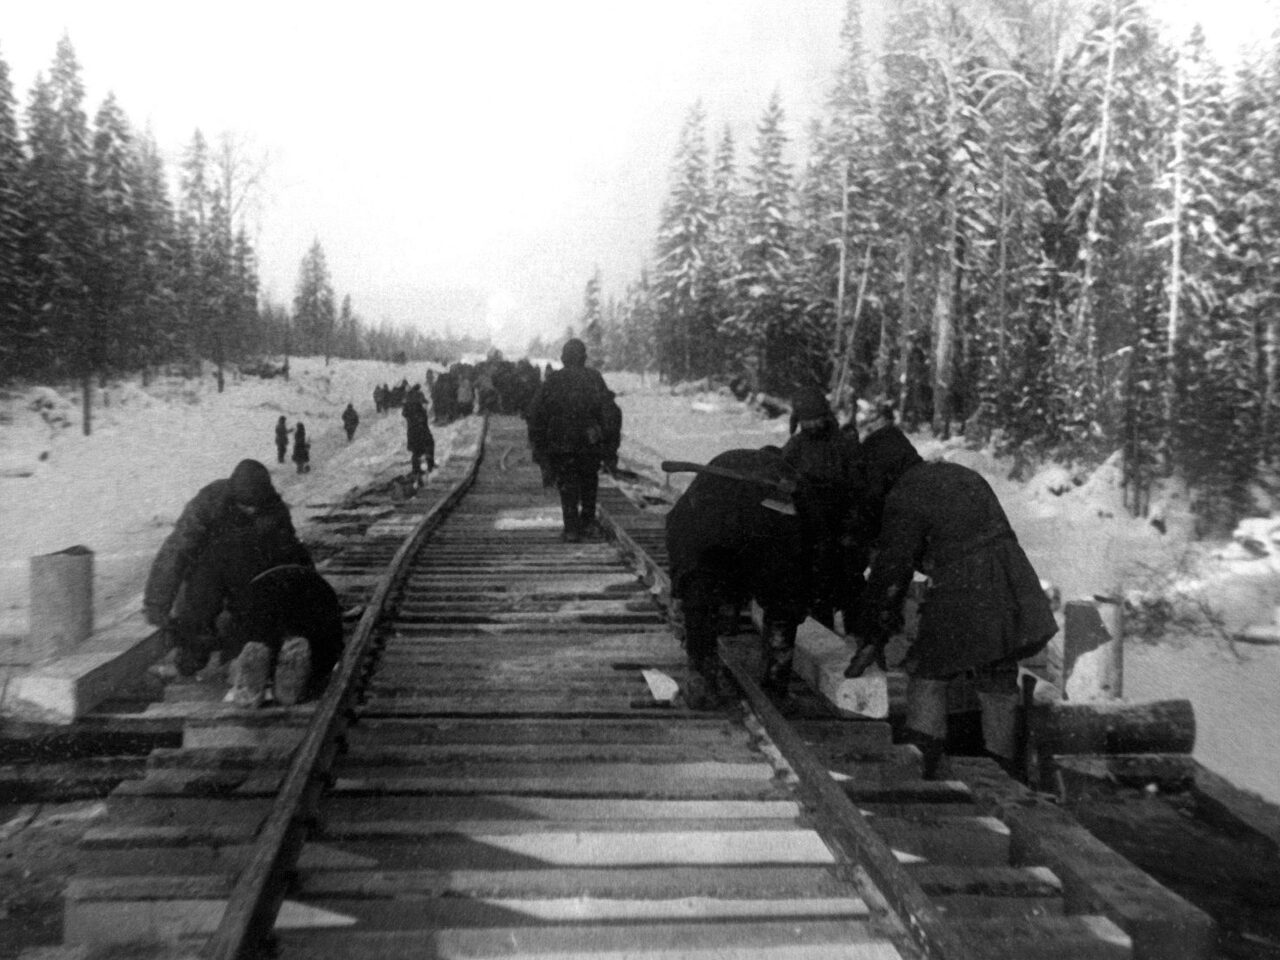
[{"x": 1113, "y": 726}]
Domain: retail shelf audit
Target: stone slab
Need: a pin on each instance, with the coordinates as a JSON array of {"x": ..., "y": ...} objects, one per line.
[
  {"x": 67, "y": 687},
  {"x": 821, "y": 656}
]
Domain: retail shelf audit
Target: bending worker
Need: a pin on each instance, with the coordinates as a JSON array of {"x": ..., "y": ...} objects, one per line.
[{"x": 983, "y": 610}]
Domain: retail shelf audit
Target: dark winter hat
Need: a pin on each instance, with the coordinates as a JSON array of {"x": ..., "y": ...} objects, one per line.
[
  {"x": 574, "y": 353},
  {"x": 887, "y": 454},
  {"x": 810, "y": 404},
  {"x": 251, "y": 484}
]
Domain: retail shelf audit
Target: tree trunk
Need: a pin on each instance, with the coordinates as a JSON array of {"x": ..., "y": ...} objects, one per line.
[
  {"x": 838, "y": 349},
  {"x": 851, "y": 342},
  {"x": 904, "y": 323},
  {"x": 1161, "y": 726},
  {"x": 1175, "y": 256},
  {"x": 218, "y": 361},
  {"x": 944, "y": 327},
  {"x": 86, "y": 402},
  {"x": 1271, "y": 357},
  {"x": 1002, "y": 280},
  {"x": 1085, "y": 335}
]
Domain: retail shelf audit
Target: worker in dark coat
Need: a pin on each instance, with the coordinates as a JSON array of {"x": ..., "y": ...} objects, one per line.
[
  {"x": 350, "y": 420},
  {"x": 301, "y": 449},
  {"x": 246, "y": 501},
  {"x": 421, "y": 441},
  {"x": 443, "y": 394},
  {"x": 292, "y": 611},
  {"x": 983, "y": 609},
  {"x": 282, "y": 439},
  {"x": 825, "y": 458},
  {"x": 726, "y": 546},
  {"x": 573, "y": 428},
  {"x": 266, "y": 591}
]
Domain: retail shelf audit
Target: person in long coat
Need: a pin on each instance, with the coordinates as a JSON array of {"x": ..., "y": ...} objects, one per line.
[
  {"x": 574, "y": 426},
  {"x": 301, "y": 449},
  {"x": 282, "y": 439},
  {"x": 418, "y": 434},
  {"x": 350, "y": 420},
  {"x": 983, "y": 609}
]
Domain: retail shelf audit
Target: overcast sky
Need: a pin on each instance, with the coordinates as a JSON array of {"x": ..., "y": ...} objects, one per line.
[{"x": 464, "y": 163}]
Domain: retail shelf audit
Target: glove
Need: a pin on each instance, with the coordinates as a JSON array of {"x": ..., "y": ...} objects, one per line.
[{"x": 868, "y": 653}]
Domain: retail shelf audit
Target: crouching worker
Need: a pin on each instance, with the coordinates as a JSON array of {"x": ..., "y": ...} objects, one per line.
[
  {"x": 727, "y": 547},
  {"x": 246, "y": 503},
  {"x": 983, "y": 610},
  {"x": 277, "y": 617},
  {"x": 287, "y": 623}
]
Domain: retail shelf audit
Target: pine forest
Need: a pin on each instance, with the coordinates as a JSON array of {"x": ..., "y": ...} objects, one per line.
[
  {"x": 1047, "y": 225},
  {"x": 1040, "y": 224},
  {"x": 103, "y": 272}
]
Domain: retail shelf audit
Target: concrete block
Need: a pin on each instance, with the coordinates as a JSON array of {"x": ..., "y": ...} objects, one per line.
[
  {"x": 820, "y": 660},
  {"x": 61, "y": 614},
  {"x": 61, "y": 689}
]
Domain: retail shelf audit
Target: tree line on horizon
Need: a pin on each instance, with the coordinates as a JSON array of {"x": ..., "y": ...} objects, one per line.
[
  {"x": 1034, "y": 221},
  {"x": 103, "y": 273}
]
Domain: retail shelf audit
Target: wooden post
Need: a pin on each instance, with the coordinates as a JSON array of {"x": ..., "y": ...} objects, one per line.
[
  {"x": 1111, "y": 609},
  {"x": 61, "y": 614},
  {"x": 1092, "y": 655}
]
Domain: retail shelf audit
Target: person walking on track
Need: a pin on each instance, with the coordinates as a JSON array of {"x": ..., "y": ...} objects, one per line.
[
  {"x": 574, "y": 426},
  {"x": 420, "y": 440}
]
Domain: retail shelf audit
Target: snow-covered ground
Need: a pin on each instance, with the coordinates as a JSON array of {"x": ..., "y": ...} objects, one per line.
[{"x": 119, "y": 491}]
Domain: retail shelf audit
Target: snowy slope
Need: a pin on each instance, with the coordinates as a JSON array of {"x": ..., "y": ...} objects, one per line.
[{"x": 120, "y": 490}]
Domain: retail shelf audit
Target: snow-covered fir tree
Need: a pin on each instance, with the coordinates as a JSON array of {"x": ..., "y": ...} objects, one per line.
[
  {"x": 313, "y": 306},
  {"x": 680, "y": 271},
  {"x": 15, "y": 330},
  {"x": 113, "y": 255},
  {"x": 764, "y": 326},
  {"x": 592, "y": 319},
  {"x": 55, "y": 197}
]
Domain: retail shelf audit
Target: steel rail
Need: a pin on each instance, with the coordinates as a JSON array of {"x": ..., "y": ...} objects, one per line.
[
  {"x": 259, "y": 890},
  {"x": 846, "y": 830},
  {"x": 843, "y": 825}
]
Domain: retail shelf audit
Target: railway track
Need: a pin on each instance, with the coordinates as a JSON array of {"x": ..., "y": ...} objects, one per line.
[{"x": 489, "y": 775}]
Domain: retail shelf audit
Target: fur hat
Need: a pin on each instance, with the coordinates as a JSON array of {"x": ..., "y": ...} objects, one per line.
[
  {"x": 574, "y": 353},
  {"x": 886, "y": 455},
  {"x": 251, "y": 484},
  {"x": 810, "y": 404}
]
